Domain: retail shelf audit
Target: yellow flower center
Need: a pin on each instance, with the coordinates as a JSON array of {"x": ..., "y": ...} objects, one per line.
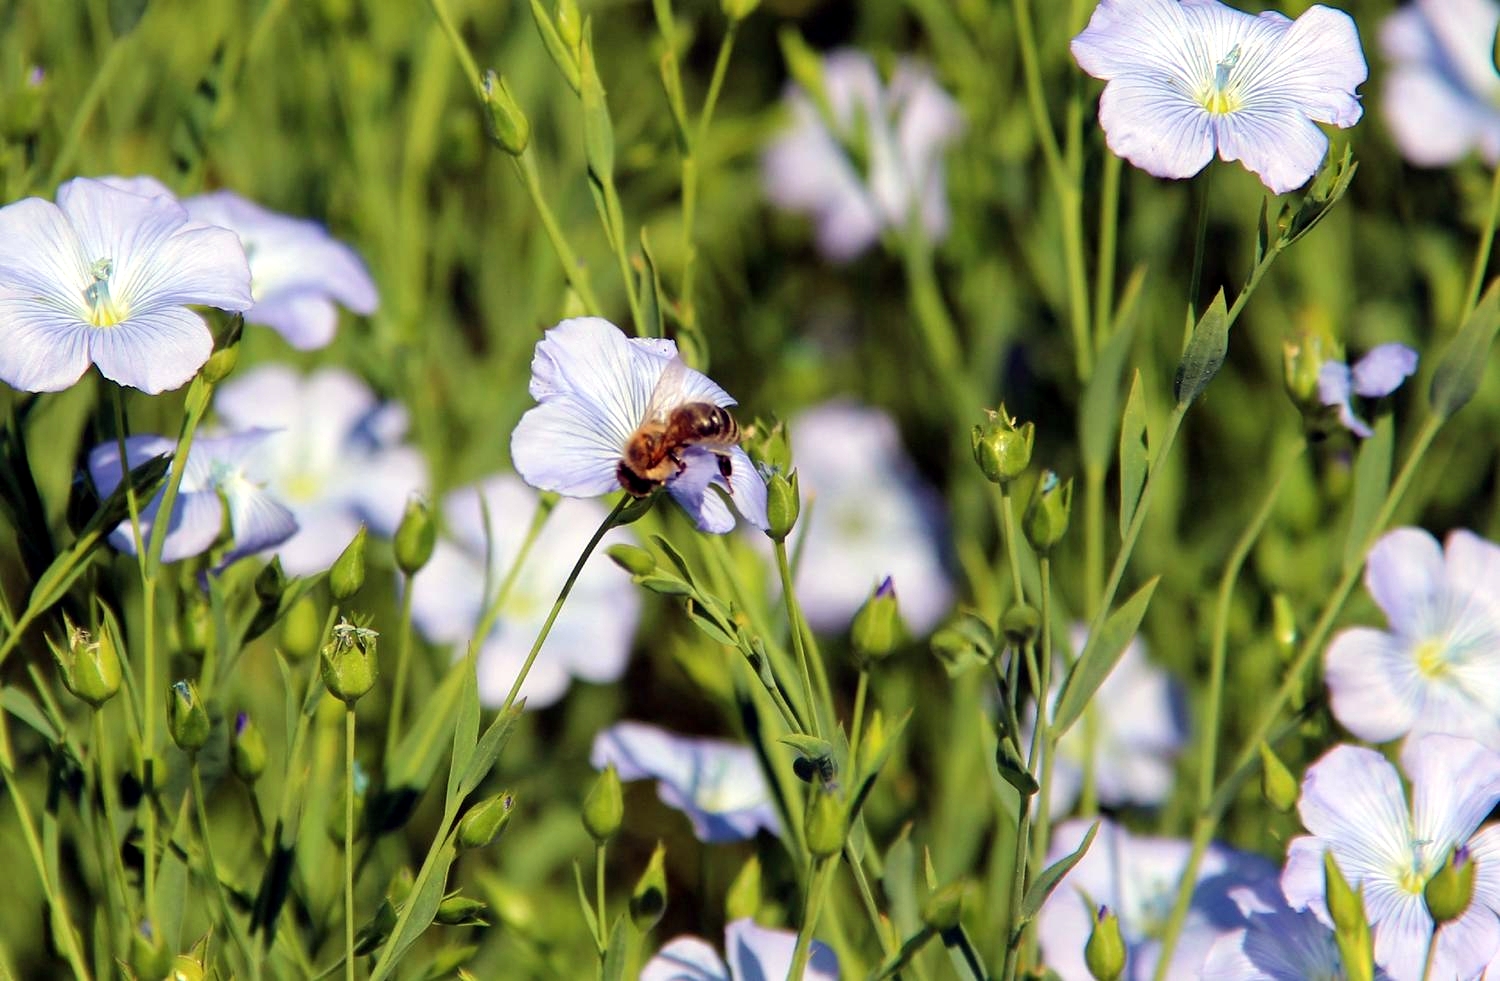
[
  {"x": 104, "y": 309},
  {"x": 302, "y": 487},
  {"x": 1222, "y": 95},
  {"x": 1430, "y": 659}
]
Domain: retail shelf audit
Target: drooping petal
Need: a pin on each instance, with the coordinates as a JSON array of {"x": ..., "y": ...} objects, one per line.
[
  {"x": 307, "y": 320},
  {"x": 755, "y": 951},
  {"x": 686, "y": 959},
  {"x": 706, "y": 507},
  {"x": 1382, "y": 371},
  {"x": 41, "y": 349},
  {"x": 1372, "y": 683},
  {"x": 154, "y": 351},
  {"x": 197, "y": 522},
  {"x": 1403, "y": 572}
]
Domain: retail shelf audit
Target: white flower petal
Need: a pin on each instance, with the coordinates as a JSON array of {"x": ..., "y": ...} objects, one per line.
[
  {"x": 1402, "y": 936},
  {"x": 755, "y": 951},
  {"x": 565, "y": 445},
  {"x": 307, "y": 320},
  {"x": 41, "y": 349},
  {"x": 1352, "y": 798},
  {"x": 197, "y": 522},
  {"x": 154, "y": 351},
  {"x": 194, "y": 265},
  {"x": 686, "y": 959},
  {"x": 1373, "y": 686},
  {"x": 1466, "y": 945},
  {"x": 1283, "y": 148},
  {"x": 41, "y": 257},
  {"x": 1316, "y": 66},
  {"x": 257, "y": 520},
  {"x": 1381, "y": 372},
  {"x": 643, "y": 752},
  {"x": 1455, "y": 784},
  {"x": 590, "y": 360},
  {"x": 1160, "y": 130},
  {"x": 708, "y": 509},
  {"x": 1403, "y": 572}
]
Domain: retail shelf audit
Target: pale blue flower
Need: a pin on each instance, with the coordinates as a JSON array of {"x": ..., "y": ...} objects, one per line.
[
  {"x": 1276, "y": 944},
  {"x": 299, "y": 273},
  {"x": 717, "y": 784},
  {"x": 594, "y": 387},
  {"x": 338, "y": 459},
  {"x": 1191, "y": 77},
  {"x": 756, "y": 953},
  {"x": 867, "y": 515},
  {"x": 1437, "y": 669},
  {"x": 1442, "y": 93},
  {"x": 901, "y": 131},
  {"x": 1137, "y": 878},
  {"x": 1373, "y": 376},
  {"x": 592, "y": 637},
  {"x": 104, "y": 277},
  {"x": 1353, "y": 803},
  {"x": 215, "y": 484}
]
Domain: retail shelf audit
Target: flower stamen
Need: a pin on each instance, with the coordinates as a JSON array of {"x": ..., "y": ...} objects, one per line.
[
  {"x": 1219, "y": 96},
  {"x": 103, "y": 310}
]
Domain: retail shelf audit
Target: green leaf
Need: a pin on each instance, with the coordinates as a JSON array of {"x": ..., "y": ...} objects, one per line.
[
  {"x": 1100, "y": 406},
  {"x": 421, "y": 749},
  {"x": 675, "y": 557},
  {"x": 1099, "y": 657},
  {"x": 1372, "y": 478},
  {"x": 22, "y": 706},
  {"x": 870, "y": 769},
  {"x": 465, "y": 727},
  {"x": 1041, "y": 887},
  {"x": 1013, "y": 769},
  {"x": 423, "y": 903},
  {"x": 1462, "y": 366},
  {"x": 649, "y": 282},
  {"x": 553, "y": 42},
  {"x": 616, "y": 956},
  {"x": 811, "y": 747},
  {"x": 490, "y": 746},
  {"x": 1135, "y": 453},
  {"x": 598, "y": 130},
  {"x": 1205, "y": 352},
  {"x": 585, "y": 904},
  {"x": 706, "y": 616}
]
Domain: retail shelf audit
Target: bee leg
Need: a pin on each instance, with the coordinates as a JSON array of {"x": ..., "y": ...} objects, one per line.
[
  {"x": 726, "y": 467},
  {"x": 677, "y": 459}
]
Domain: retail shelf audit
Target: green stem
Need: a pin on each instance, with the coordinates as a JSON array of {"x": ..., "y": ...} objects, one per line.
[
  {"x": 403, "y": 668},
  {"x": 939, "y": 333},
  {"x": 820, "y": 699},
  {"x": 1013, "y": 930},
  {"x": 690, "y": 173},
  {"x": 1042, "y": 739},
  {"x": 1093, "y": 537},
  {"x": 859, "y": 719},
  {"x": 1200, "y": 242},
  {"x": 574, "y": 271},
  {"x": 1104, "y": 271},
  {"x": 57, "y": 900},
  {"x": 201, "y": 808},
  {"x": 599, "y": 902},
  {"x": 460, "y": 47},
  {"x": 817, "y": 890},
  {"x": 1012, "y": 544},
  {"x": 1486, "y": 241},
  {"x": 349, "y": 841},
  {"x": 562, "y": 596}
]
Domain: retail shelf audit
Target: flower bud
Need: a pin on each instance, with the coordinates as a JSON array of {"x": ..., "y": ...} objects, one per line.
[
  {"x": 743, "y": 898},
  {"x": 149, "y": 957},
  {"x": 604, "y": 808},
  {"x": 221, "y": 364},
  {"x": 826, "y": 823},
  {"x": 301, "y": 629},
  {"x": 1105, "y": 951},
  {"x": 399, "y": 888},
  {"x": 783, "y": 504},
  {"x": 1451, "y": 888},
  {"x": 186, "y": 967},
  {"x": 416, "y": 536},
  {"x": 877, "y": 626},
  {"x": 1345, "y": 905},
  {"x": 1277, "y": 784},
  {"x": 348, "y": 572},
  {"x": 569, "y": 23},
  {"x": 1046, "y": 520},
  {"x": 1283, "y": 625},
  {"x": 1001, "y": 448},
  {"x": 1021, "y": 624},
  {"x": 270, "y": 582},
  {"x": 90, "y": 668},
  {"x": 247, "y": 749},
  {"x": 648, "y": 901},
  {"x": 506, "y": 124},
  {"x": 485, "y": 820},
  {"x": 632, "y": 558},
  {"x": 187, "y": 718},
  {"x": 944, "y": 907},
  {"x": 461, "y": 911},
  {"x": 349, "y": 663}
]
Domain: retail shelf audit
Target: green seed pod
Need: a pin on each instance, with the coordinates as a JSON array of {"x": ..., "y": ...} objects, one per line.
[
  {"x": 348, "y": 662},
  {"x": 485, "y": 820},
  {"x": 416, "y": 536},
  {"x": 944, "y": 907},
  {"x": 461, "y": 911},
  {"x": 1021, "y": 624},
  {"x": 1104, "y": 953},
  {"x": 247, "y": 749},
  {"x": 1046, "y": 520},
  {"x": 1002, "y": 449},
  {"x": 604, "y": 808},
  {"x": 90, "y": 668},
  {"x": 506, "y": 124},
  {"x": 187, "y": 718},
  {"x": 648, "y": 901},
  {"x": 783, "y": 505},
  {"x": 348, "y": 572},
  {"x": 743, "y": 898}
]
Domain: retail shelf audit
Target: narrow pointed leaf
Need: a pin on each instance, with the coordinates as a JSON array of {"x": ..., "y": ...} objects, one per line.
[
  {"x": 1462, "y": 366},
  {"x": 1099, "y": 657},
  {"x": 1372, "y": 478},
  {"x": 1205, "y": 352},
  {"x": 1042, "y": 886},
  {"x": 1135, "y": 453}
]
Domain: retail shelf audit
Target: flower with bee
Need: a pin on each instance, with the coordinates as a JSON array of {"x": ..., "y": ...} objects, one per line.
[{"x": 615, "y": 412}]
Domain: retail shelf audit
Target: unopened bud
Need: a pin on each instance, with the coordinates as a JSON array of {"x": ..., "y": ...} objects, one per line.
[
  {"x": 632, "y": 558},
  {"x": 348, "y": 662},
  {"x": 221, "y": 364},
  {"x": 944, "y": 907},
  {"x": 1021, "y": 624},
  {"x": 1105, "y": 951},
  {"x": 783, "y": 505},
  {"x": 826, "y": 823},
  {"x": 90, "y": 668},
  {"x": 400, "y": 885},
  {"x": 187, "y": 718},
  {"x": 485, "y": 820},
  {"x": 1283, "y": 624},
  {"x": 877, "y": 626},
  {"x": 348, "y": 572},
  {"x": 604, "y": 808},
  {"x": 1451, "y": 888},
  {"x": 416, "y": 536},
  {"x": 1046, "y": 520},
  {"x": 301, "y": 629},
  {"x": 569, "y": 23},
  {"x": 1277, "y": 784},
  {"x": 270, "y": 581},
  {"x": 507, "y": 125},
  {"x": 743, "y": 898},
  {"x": 149, "y": 957},
  {"x": 247, "y": 749},
  {"x": 1345, "y": 905},
  {"x": 186, "y": 967},
  {"x": 1001, "y": 447},
  {"x": 461, "y": 911},
  {"x": 648, "y": 901}
]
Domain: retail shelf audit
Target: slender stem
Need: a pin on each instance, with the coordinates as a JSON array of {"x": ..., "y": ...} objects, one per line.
[
  {"x": 1093, "y": 538},
  {"x": 1023, "y": 832},
  {"x": 716, "y": 81},
  {"x": 574, "y": 271},
  {"x": 817, "y": 888},
  {"x": 1012, "y": 544},
  {"x": 939, "y": 333},
  {"x": 867, "y": 899},
  {"x": 690, "y": 173},
  {"x": 1431, "y": 958},
  {"x": 610, "y": 210},
  {"x": 1104, "y": 270},
  {"x": 57, "y": 900},
  {"x": 1200, "y": 242},
  {"x": 811, "y": 697},
  {"x": 403, "y": 668},
  {"x": 1486, "y": 241},
  {"x": 599, "y": 901},
  {"x": 201, "y": 808},
  {"x": 460, "y": 46},
  {"x": 562, "y": 596},
  {"x": 349, "y": 842},
  {"x": 859, "y": 720},
  {"x": 1041, "y": 827}
]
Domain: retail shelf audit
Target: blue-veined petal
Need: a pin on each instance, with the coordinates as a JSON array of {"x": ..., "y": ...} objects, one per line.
[
  {"x": 1455, "y": 784},
  {"x": 1371, "y": 683},
  {"x": 257, "y": 520},
  {"x": 755, "y": 951},
  {"x": 154, "y": 351},
  {"x": 1160, "y": 130},
  {"x": 1382, "y": 371},
  {"x": 1282, "y": 148},
  {"x": 566, "y": 445},
  {"x": 1404, "y": 572},
  {"x": 41, "y": 348},
  {"x": 685, "y": 959},
  {"x": 707, "y": 508},
  {"x": 41, "y": 257}
]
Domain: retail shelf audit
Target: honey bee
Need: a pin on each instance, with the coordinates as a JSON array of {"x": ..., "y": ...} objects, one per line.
[{"x": 654, "y": 455}]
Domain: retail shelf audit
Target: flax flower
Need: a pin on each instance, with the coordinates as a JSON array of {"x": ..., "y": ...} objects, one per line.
[
  {"x": 1188, "y": 78},
  {"x": 594, "y": 388},
  {"x": 755, "y": 953},
  {"x": 1354, "y": 806},
  {"x": 1373, "y": 376},
  {"x": 104, "y": 277},
  {"x": 1442, "y": 93}
]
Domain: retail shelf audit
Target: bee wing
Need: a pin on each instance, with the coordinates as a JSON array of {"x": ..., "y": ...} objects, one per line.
[{"x": 679, "y": 385}]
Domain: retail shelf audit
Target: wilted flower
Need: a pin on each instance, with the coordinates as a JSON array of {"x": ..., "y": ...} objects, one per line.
[
  {"x": 868, "y": 516},
  {"x": 594, "y": 388},
  {"x": 592, "y": 636},
  {"x": 214, "y": 479},
  {"x": 1137, "y": 878},
  {"x": 1353, "y": 803},
  {"x": 717, "y": 784},
  {"x": 882, "y": 161},
  {"x": 1139, "y": 725},
  {"x": 755, "y": 953},
  {"x": 1442, "y": 93},
  {"x": 104, "y": 277},
  {"x": 1189, "y": 78},
  {"x": 1373, "y": 376},
  {"x": 299, "y": 273},
  {"x": 337, "y": 461},
  {"x": 1438, "y": 667}
]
